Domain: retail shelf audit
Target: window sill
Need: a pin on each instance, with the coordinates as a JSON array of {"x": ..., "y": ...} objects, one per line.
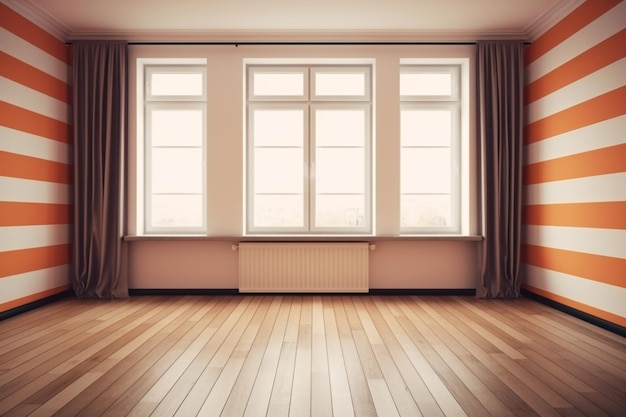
[{"x": 304, "y": 238}]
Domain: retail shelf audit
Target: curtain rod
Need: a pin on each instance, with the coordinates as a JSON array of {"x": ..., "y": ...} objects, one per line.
[{"x": 300, "y": 43}]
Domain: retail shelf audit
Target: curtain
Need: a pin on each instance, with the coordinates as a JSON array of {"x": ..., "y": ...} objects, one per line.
[
  {"x": 500, "y": 120},
  {"x": 99, "y": 90}
]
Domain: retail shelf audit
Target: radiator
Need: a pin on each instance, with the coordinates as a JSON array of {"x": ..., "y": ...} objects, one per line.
[{"x": 303, "y": 267}]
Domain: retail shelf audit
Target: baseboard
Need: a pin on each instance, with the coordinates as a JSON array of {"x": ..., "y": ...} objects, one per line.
[
  {"x": 35, "y": 304},
  {"x": 607, "y": 325},
  {"x": 182, "y": 291},
  {"x": 423, "y": 291},
  {"x": 234, "y": 291}
]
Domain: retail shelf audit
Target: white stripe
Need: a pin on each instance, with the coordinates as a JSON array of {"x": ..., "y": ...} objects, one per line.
[
  {"x": 597, "y": 136},
  {"x": 27, "y": 52},
  {"x": 592, "y": 293},
  {"x": 29, "y": 283},
  {"x": 27, "y": 98},
  {"x": 595, "y": 32},
  {"x": 604, "y": 242},
  {"x": 27, "y": 144},
  {"x": 26, "y": 237},
  {"x": 30, "y": 191},
  {"x": 593, "y": 189},
  {"x": 593, "y": 85}
]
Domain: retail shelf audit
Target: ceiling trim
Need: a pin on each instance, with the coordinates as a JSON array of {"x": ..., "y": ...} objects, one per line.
[
  {"x": 259, "y": 36},
  {"x": 551, "y": 17},
  {"x": 39, "y": 17}
]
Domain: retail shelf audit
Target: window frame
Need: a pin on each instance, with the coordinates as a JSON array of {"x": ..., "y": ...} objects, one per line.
[
  {"x": 310, "y": 102},
  {"x": 152, "y": 102},
  {"x": 456, "y": 103}
]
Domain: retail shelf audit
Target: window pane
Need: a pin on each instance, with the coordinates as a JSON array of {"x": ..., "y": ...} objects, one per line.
[
  {"x": 425, "y": 84},
  {"x": 426, "y": 127},
  {"x": 339, "y": 170},
  {"x": 176, "y": 211},
  {"x": 340, "y": 127},
  {"x": 278, "y": 84},
  {"x": 177, "y": 170},
  {"x": 176, "y": 127},
  {"x": 278, "y": 170},
  {"x": 176, "y": 84},
  {"x": 339, "y": 210},
  {"x": 426, "y": 211},
  {"x": 339, "y": 84},
  {"x": 278, "y": 127},
  {"x": 425, "y": 170},
  {"x": 278, "y": 211}
]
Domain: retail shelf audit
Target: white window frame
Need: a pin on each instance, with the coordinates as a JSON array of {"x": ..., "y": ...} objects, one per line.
[
  {"x": 456, "y": 102},
  {"x": 309, "y": 102},
  {"x": 153, "y": 102}
]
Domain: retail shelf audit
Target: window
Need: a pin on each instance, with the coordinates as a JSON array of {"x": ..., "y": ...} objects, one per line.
[
  {"x": 174, "y": 149},
  {"x": 309, "y": 149},
  {"x": 430, "y": 149}
]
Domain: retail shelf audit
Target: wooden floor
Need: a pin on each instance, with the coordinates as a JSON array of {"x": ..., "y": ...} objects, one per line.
[{"x": 336, "y": 356}]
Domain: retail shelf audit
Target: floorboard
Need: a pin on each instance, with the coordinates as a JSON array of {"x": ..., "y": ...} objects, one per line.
[{"x": 308, "y": 356}]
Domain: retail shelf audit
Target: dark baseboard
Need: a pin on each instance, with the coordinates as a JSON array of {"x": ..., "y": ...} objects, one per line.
[
  {"x": 607, "y": 325},
  {"x": 423, "y": 291},
  {"x": 182, "y": 291},
  {"x": 234, "y": 291},
  {"x": 35, "y": 304}
]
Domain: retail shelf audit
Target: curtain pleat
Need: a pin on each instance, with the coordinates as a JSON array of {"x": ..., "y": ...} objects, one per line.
[
  {"x": 500, "y": 126},
  {"x": 99, "y": 86}
]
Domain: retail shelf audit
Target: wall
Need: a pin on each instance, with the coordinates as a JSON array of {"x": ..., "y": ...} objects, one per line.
[
  {"x": 35, "y": 168},
  {"x": 196, "y": 263},
  {"x": 575, "y": 172}
]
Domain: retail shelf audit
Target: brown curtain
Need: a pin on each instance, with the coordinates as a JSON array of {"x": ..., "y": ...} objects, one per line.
[
  {"x": 500, "y": 117},
  {"x": 99, "y": 85}
]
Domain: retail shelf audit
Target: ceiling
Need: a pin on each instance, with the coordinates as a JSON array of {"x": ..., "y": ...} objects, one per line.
[{"x": 433, "y": 20}]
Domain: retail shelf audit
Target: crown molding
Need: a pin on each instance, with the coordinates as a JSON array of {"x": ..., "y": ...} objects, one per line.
[
  {"x": 286, "y": 36},
  {"x": 39, "y": 17},
  {"x": 551, "y": 17}
]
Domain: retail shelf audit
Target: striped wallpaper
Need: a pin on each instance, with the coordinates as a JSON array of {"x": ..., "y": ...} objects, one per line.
[
  {"x": 35, "y": 162},
  {"x": 574, "y": 248}
]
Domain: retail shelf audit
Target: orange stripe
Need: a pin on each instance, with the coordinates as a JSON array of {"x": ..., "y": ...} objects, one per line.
[
  {"x": 29, "y": 76},
  {"x": 598, "y": 109},
  {"x": 9, "y": 305},
  {"x": 598, "y": 57},
  {"x": 27, "y": 260},
  {"x": 605, "y": 269},
  {"x": 605, "y": 215},
  {"x": 603, "y": 161},
  {"x": 601, "y": 314},
  {"x": 569, "y": 25},
  {"x": 30, "y": 122},
  {"x": 30, "y": 32},
  {"x": 26, "y": 167},
  {"x": 27, "y": 214}
]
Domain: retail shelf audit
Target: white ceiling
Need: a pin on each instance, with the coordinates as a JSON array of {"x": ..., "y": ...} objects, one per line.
[{"x": 415, "y": 20}]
